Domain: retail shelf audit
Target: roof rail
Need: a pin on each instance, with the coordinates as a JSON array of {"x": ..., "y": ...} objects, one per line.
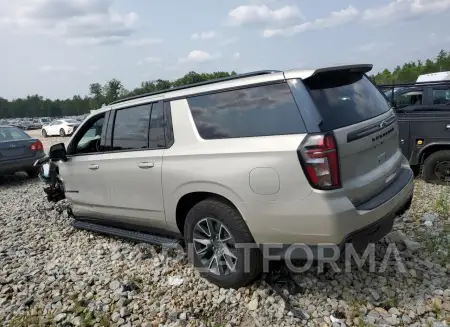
[{"x": 217, "y": 80}]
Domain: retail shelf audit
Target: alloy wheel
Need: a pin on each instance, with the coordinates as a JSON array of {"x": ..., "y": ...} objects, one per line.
[{"x": 215, "y": 246}]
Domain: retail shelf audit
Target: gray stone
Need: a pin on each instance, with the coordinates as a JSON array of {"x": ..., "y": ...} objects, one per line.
[
  {"x": 60, "y": 317},
  {"x": 406, "y": 319},
  {"x": 115, "y": 284},
  {"x": 391, "y": 320},
  {"x": 115, "y": 316},
  {"x": 173, "y": 315},
  {"x": 375, "y": 295},
  {"x": 77, "y": 321},
  {"x": 446, "y": 294},
  {"x": 124, "y": 312},
  {"x": 253, "y": 305},
  {"x": 394, "y": 311},
  {"x": 183, "y": 316}
]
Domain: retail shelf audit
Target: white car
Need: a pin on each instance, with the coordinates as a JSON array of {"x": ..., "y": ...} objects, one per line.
[{"x": 61, "y": 127}]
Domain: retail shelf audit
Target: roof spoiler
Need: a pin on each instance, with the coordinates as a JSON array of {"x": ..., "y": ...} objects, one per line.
[{"x": 362, "y": 68}]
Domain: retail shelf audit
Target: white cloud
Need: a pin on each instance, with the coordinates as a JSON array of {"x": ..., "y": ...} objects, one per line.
[
  {"x": 403, "y": 9},
  {"x": 335, "y": 18},
  {"x": 203, "y": 35},
  {"x": 375, "y": 46},
  {"x": 229, "y": 41},
  {"x": 199, "y": 56},
  {"x": 149, "y": 60},
  {"x": 76, "y": 21},
  {"x": 144, "y": 42},
  {"x": 236, "y": 55},
  {"x": 255, "y": 14}
]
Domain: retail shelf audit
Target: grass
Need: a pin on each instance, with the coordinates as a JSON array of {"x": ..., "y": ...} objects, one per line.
[
  {"x": 436, "y": 245},
  {"x": 442, "y": 204}
]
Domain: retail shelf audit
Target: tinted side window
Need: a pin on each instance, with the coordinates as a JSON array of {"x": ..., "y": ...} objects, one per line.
[
  {"x": 255, "y": 111},
  {"x": 406, "y": 99},
  {"x": 441, "y": 96},
  {"x": 130, "y": 129},
  {"x": 157, "y": 139}
]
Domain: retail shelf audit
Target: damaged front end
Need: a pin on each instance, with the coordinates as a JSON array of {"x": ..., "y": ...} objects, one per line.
[{"x": 49, "y": 174}]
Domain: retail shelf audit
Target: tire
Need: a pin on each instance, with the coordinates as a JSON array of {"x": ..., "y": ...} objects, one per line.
[
  {"x": 32, "y": 173},
  {"x": 225, "y": 214},
  {"x": 44, "y": 133},
  {"x": 62, "y": 132},
  {"x": 437, "y": 160}
]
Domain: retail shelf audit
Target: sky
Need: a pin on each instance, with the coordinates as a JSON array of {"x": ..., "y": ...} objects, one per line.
[{"x": 56, "y": 48}]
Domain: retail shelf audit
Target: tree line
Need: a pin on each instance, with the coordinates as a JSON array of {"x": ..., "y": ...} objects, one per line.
[
  {"x": 411, "y": 70},
  {"x": 37, "y": 106}
]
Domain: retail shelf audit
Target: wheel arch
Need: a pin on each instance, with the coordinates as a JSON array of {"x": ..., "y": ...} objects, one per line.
[
  {"x": 432, "y": 148},
  {"x": 188, "y": 200}
]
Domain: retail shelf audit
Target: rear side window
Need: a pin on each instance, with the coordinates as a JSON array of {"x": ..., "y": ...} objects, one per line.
[
  {"x": 131, "y": 125},
  {"x": 255, "y": 111},
  {"x": 345, "y": 99},
  {"x": 12, "y": 134},
  {"x": 441, "y": 96}
]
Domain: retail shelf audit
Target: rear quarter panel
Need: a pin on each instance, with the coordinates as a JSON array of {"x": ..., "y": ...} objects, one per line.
[{"x": 223, "y": 166}]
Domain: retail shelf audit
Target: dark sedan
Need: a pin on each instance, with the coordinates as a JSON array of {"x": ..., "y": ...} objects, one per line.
[{"x": 18, "y": 151}]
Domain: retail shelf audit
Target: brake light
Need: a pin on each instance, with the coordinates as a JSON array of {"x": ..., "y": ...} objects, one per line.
[
  {"x": 37, "y": 146},
  {"x": 319, "y": 157}
]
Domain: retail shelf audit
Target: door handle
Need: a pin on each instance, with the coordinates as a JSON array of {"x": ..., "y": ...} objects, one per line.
[
  {"x": 93, "y": 167},
  {"x": 402, "y": 141},
  {"x": 145, "y": 165},
  {"x": 448, "y": 126}
]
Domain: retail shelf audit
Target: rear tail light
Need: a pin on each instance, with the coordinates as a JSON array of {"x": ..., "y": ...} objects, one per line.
[
  {"x": 319, "y": 158},
  {"x": 36, "y": 146}
]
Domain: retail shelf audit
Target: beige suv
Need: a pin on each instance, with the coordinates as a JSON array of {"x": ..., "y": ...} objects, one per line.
[{"x": 269, "y": 158}]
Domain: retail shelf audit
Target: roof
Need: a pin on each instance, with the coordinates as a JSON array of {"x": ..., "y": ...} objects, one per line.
[{"x": 432, "y": 77}]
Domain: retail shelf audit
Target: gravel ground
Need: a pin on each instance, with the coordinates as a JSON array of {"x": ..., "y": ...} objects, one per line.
[{"x": 54, "y": 275}]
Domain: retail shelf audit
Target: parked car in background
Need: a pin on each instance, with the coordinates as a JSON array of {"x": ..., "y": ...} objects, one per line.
[
  {"x": 35, "y": 124},
  {"x": 18, "y": 151},
  {"x": 61, "y": 127},
  {"x": 44, "y": 121},
  {"x": 25, "y": 125},
  {"x": 301, "y": 156},
  {"x": 423, "y": 113}
]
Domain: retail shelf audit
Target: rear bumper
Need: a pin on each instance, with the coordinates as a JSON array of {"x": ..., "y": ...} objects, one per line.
[
  {"x": 327, "y": 221},
  {"x": 12, "y": 166},
  {"x": 359, "y": 240}
]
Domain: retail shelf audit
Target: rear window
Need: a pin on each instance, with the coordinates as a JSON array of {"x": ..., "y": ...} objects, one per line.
[
  {"x": 255, "y": 111},
  {"x": 12, "y": 134},
  {"x": 345, "y": 99}
]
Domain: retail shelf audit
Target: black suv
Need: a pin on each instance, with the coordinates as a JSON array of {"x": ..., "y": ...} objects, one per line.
[{"x": 423, "y": 112}]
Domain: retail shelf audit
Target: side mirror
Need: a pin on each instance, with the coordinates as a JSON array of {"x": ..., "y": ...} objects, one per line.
[{"x": 58, "y": 152}]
